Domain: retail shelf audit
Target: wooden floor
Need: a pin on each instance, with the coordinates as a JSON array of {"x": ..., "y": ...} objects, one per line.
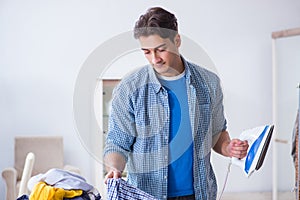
[{"x": 258, "y": 196}]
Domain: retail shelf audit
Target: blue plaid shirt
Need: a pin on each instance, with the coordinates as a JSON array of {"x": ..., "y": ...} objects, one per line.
[
  {"x": 119, "y": 189},
  {"x": 139, "y": 128}
]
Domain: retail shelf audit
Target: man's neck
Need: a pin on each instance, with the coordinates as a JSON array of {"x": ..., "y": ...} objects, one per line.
[{"x": 177, "y": 69}]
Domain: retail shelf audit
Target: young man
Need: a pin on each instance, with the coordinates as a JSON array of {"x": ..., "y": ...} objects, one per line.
[{"x": 166, "y": 117}]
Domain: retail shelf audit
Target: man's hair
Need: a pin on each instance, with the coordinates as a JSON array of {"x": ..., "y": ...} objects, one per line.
[{"x": 156, "y": 21}]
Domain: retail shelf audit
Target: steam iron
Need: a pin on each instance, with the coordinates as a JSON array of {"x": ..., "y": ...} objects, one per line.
[{"x": 258, "y": 139}]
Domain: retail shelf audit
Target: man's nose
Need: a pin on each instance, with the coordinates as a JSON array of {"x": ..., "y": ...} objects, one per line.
[{"x": 155, "y": 58}]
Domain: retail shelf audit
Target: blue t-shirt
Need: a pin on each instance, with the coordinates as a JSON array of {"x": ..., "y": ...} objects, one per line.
[{"x": 180, "y": 168}]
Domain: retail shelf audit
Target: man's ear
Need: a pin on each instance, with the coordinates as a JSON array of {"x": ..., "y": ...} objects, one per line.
[{"x": 177, "y": 40}]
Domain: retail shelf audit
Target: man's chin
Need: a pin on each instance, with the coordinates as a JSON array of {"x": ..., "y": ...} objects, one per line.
[{"x": 160, "y": 70}]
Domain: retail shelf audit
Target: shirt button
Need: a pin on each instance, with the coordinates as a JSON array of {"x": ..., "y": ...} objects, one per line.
[
  {"x": 164, "y": 196},
  {"x": 166, "y": 137},
  {"x": 165, "y": 177},
  {"x": 166, "y": 157}
]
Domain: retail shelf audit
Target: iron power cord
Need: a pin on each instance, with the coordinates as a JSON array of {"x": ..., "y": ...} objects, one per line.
[{"x": 226, "y": 178}]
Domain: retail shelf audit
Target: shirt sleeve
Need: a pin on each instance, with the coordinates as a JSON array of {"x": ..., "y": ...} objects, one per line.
[
  {"x": 121, "y": 129},
  {"x": 218, "y": 117}
]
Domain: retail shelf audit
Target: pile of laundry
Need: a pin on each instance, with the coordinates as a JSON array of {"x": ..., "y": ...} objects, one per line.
[{"x": 60, "y": 184}]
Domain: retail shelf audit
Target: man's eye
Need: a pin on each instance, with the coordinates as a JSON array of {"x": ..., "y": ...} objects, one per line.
[
  {"x": 161, "y": 50},
  {"x": 146, "y": 52}
]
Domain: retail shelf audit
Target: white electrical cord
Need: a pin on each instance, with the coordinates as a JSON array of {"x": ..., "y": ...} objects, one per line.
[{"x": 226, "y": 178}]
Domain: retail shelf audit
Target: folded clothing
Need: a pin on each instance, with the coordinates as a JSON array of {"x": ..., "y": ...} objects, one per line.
[{"x": 60, "y": 179}]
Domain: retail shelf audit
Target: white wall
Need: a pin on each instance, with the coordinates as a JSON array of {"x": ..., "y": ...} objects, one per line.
[{"x": 44, "y": 43}]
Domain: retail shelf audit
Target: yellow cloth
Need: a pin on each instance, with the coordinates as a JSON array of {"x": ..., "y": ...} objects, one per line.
[{"x": 42, "y": 191}]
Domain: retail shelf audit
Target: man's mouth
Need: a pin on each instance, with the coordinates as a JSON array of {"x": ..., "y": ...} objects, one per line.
[{"x": 159, "y": 65}]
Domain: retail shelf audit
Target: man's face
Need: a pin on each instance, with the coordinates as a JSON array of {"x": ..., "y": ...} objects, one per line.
[{"x": 162, "y": 54}]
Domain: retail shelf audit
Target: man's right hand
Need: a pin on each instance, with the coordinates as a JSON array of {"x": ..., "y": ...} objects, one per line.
[
  {"x": 115, "y": 164},
  {"x": 112, "y": 174}
]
